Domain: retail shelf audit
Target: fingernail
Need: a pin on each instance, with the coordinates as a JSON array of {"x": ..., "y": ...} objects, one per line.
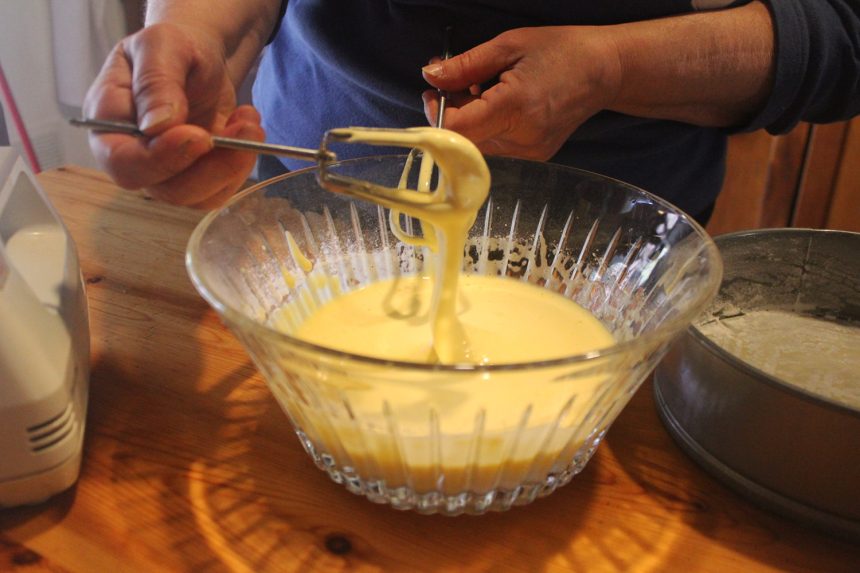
[
  {"x": 184, "y": 150},
  {"x": 193, "y": 148},
  {"x": 434, "y": 70},
  {"x": 156, "y": 116}
]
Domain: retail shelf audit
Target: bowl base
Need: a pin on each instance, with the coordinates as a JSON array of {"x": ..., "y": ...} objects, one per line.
[{"x": 437, "y": 502}]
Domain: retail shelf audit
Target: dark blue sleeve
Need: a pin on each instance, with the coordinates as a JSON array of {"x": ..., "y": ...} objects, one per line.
[{"x": 817, "y": 75}]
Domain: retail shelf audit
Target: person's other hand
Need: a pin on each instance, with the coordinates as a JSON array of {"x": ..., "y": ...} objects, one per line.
[
  {"x": 544, "y": 83},
  {"x": 173, "y": 82}
]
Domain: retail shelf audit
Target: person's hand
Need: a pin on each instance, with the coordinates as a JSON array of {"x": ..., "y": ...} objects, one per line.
[
  {"x": 548, "y": 81},
  {"x": 173, "y": 81}
]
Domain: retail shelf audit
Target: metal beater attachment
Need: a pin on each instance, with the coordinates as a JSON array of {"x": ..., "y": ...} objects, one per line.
[
  {"x": 421, "y": 147},
  {"x": 457, "y": 159},
  {"x": 317, "y": 155},
  {"x": 443, "y": 95},
  {"x": 400, "y": 198}
]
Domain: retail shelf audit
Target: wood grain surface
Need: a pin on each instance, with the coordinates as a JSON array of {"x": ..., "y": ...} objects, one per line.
[
  {"x": 809, "y": 177},
  {"x": 816, "y": 186},
  {"x": 190, "y": 465},
  {"x": 845, "y": 205}
]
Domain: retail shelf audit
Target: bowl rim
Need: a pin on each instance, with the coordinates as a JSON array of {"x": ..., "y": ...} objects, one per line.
[
  {"x": 747, "y": 368},
  {"x": 666, "y": 331}
]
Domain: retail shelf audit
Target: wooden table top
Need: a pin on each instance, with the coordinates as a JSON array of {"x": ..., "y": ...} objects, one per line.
[{"x": 189, "y": 464}]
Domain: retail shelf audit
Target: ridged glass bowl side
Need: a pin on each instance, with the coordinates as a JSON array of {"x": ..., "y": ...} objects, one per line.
[{"x": 455, "y": 439}]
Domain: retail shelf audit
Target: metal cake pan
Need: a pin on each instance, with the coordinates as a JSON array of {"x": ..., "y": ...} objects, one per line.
[{"x": 789, "y": 450}]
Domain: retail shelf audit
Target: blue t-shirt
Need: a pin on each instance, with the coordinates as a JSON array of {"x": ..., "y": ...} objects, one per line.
[{"x": 338, "y": 63}]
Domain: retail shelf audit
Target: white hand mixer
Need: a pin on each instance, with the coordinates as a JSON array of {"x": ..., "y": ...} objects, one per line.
[{"x": 44, "y": 343}]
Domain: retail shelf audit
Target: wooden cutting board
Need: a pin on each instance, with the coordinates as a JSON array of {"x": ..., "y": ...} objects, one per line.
[{"x": 191, "y": 466}]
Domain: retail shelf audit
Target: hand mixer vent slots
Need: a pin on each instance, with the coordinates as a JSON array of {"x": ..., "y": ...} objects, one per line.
[{"x": 51, "y": 433}]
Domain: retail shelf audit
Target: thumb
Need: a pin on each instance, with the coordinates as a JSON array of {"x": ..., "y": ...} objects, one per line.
[
  {"x": 476, "y": 66},
  {"x": 158, "y": 86}
]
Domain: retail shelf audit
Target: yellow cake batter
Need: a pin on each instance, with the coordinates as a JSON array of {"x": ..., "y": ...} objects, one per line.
[{"x": 504, "y": 320}]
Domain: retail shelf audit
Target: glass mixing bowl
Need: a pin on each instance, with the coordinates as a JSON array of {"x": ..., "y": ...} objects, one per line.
[{"x": 454, "y": 438}]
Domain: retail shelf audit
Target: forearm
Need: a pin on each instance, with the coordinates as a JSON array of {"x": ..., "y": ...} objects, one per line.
[
  {"x": 708, "y": 68},
  {"x": 241, "y": 26}
]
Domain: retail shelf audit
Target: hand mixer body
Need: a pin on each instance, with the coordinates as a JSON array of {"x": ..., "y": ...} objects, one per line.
[{"x": 44, "y": 343}]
